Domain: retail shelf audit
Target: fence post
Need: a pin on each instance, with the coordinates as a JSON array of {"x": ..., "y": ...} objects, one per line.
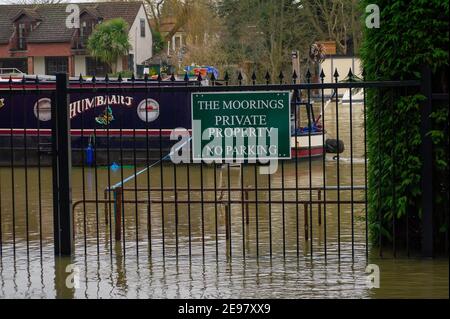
[
  {"x": 118, "y": 212},
  {"x": 319, "y": 212},
  {"x": 426, "y": 152},
  {"x": 306, "y": 223},
  {"x": 62, "y": 164},
  {"x": 247, "y": 215},
  {"x": 227, "y": 221},
  {"x": 106, "y": 195}
]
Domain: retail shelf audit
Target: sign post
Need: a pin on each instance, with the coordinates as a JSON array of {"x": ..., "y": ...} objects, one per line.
[{"x": 236, "y": 126}]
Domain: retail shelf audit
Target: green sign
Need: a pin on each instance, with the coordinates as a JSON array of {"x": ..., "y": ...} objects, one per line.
[{"x": 241, "y": 125}]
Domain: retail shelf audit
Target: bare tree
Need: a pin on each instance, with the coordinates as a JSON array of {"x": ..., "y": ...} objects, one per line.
[
  {"x": 333, "y": 20},
  {"x": 160, "y": 9},
  {"x": 261, "y": 35},
  {"x": 154, "y": 9},
  {"x": 204, "y": 32}
]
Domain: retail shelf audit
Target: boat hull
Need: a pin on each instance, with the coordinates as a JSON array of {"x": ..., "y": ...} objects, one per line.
[
  {"x": 308, "y": 145},
  {"x": 127, "y": 127}
]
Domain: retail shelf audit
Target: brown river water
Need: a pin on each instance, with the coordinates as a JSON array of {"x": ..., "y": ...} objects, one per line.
[{"x": 138, "y": 268}]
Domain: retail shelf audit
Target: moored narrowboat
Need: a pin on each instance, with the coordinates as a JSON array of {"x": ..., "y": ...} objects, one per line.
[{"x": 121, "y": 126}]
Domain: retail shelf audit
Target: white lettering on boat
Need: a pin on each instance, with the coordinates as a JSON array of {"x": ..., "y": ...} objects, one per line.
[{"x": 84, "y": 105}]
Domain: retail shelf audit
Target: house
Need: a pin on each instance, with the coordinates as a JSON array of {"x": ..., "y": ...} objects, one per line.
[
  {"x": 35, "y": 39},
  {"x": 178, "y": 40},
  {"x": 341, "y": 63}
]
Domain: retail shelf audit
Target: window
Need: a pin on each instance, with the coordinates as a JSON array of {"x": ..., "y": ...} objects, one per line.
[
  {"x": 22, "y": 45},
  {"x": 131, "y": 62},
  {"x": 178, "y": 43},
  {"x": 19, "y": 64},
  {"x": 95, "y": 67},
  {"x": 55, "y": 65},
  {"x": 143, "y": 28},
  {"x": 21, "y": 29},
  {"x": 83, "y": 28},
  {"x": 87, "y": 27}
]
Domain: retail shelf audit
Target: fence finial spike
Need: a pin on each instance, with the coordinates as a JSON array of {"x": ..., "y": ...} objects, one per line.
[
  {"x": 159, "y": 77},
  {"x": 254, "y": 76},
  {"x": 199, "y": 77},
  {"x": 172, "y": 77},
  {"x": 336, "y": 73},
  {"x": 80, "y": 78},
  {"x": 132, "y": 77},
  {"x": 226, "y": 77},
  {"x": 186, "y": 77},
  {"x": 350, "y": 74},
  {"x": 36, "y": 79},
  {"x": 281, "y": 77},
  {"x": 24, "y": 80},
  {"x": 120, "y": 77},
  {"x": 267, "y": 77},
  {"x": 240, "y": 77},
  {"x": 213, "y": 77},
  {"x": 94, "y": 79},
  {"x": 294, "y": 75},
  {"x": 322, "y": 74},
  {"x": 106, "y": 78},
  {"x": 308, "y": 76},
  {"x": 10, "y": 79}
]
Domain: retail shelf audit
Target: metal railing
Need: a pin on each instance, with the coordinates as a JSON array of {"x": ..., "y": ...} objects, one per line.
[{"x": 335, "y": 192}]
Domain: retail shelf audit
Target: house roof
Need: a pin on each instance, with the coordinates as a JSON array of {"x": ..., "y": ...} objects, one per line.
[
  {"x": 166, "y": 24},
  {"x": 160, "y": 58},
  {"x": 28, "y": 11},
  {"x": 52, "y": 18}
]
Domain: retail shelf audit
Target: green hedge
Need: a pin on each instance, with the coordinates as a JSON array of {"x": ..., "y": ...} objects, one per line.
[{"x": 412, "y": 34}]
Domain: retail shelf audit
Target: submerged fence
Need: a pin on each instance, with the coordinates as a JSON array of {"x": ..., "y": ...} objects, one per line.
[{"x": 123, "y": 193}]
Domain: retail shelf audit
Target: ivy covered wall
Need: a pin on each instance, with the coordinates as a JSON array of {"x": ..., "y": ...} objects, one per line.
[{"x": 412, "y": 33}]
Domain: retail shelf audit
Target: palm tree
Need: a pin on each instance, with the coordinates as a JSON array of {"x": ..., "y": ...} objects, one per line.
[{"x": 109, "y": 42}]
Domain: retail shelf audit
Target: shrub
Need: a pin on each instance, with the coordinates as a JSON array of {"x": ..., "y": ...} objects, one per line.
[{"x": 411, "y": 34}]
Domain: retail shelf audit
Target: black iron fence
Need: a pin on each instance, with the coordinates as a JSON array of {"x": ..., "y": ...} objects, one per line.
[{"x": 115, "y": 190}]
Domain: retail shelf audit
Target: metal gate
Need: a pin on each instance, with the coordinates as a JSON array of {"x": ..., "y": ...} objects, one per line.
[{"x": 122, "y": 194}]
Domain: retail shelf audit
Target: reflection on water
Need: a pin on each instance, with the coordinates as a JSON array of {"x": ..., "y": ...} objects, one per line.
[
  {"x": 137, "y": 267},
  {"x": 104, "y": 277}
]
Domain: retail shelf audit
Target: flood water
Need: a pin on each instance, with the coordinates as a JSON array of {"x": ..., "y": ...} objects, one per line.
[{"x": 181, "y": 251}]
